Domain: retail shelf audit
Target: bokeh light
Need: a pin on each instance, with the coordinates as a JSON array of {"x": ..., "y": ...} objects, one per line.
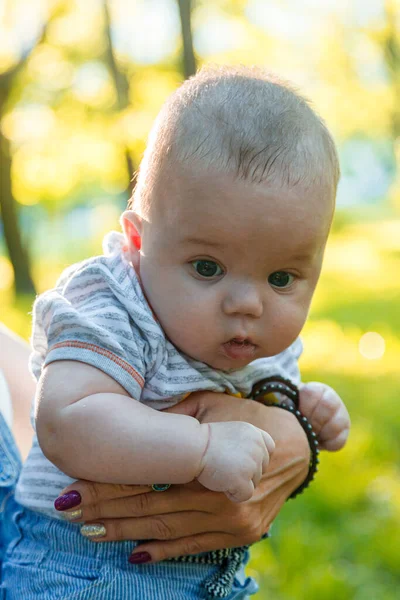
[{"x": 372, "y": 345}]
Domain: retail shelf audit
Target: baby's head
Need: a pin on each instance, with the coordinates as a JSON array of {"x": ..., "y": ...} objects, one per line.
[{"x": 232, "y": 209}]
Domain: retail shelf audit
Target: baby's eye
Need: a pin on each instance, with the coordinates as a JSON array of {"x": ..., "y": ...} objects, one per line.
[
  {"x": 207, "y": 268},
  {"x": 281, "y": 279}
]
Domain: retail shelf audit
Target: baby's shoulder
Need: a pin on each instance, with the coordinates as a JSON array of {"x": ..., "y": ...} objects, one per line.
[
  {"x": 107, "y": 268},
  {"x": 99, "y": 285}
]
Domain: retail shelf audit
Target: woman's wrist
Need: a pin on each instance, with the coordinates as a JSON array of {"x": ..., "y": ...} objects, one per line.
[
  {"x": 288, "y": 400},
  {"x": 313, "y": 445},
  {"x": 282, "y": 426}
]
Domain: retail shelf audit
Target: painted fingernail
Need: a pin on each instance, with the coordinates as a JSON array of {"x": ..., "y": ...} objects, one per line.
[
  {"x": 139, "y": 558},
  {"x": 73, "y": 515},
  {"x": 93, "y": 531},
  {"x": 69, "y": 500}
]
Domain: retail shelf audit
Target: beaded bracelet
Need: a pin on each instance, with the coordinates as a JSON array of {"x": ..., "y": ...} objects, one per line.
[{"x": 280, "y": 385}]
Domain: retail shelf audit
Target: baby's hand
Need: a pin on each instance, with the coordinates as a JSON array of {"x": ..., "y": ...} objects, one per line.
[
  {"x": 236, "y": 456},
  {"x": 327, "y": 414}
]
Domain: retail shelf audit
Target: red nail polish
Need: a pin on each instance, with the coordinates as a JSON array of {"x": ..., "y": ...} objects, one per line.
[
  {"x": 139, "y": 558},
  {"x": 69, "y": 500}
]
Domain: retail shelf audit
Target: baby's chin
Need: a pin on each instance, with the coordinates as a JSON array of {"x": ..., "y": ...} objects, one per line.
[
  {"x": 218, "y": 363},
  {"x": 226, "y": 358},
  {"x": 234, "y": 360},
  {"x": 221, "y": 362}
]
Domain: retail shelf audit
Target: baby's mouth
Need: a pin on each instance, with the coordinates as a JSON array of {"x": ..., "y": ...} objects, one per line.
[{"x": 239, "y": 348}]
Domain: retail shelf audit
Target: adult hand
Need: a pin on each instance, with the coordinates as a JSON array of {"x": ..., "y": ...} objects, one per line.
[{"x": 188, "y": 519}]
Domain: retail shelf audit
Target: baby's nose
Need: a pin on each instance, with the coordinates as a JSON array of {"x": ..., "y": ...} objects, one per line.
[{"x": 243, "y": 300}]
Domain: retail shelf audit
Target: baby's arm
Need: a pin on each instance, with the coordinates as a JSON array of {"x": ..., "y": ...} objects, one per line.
[
  {"x": 90, "y": 428},
  {"x": 327, "y": 414}
]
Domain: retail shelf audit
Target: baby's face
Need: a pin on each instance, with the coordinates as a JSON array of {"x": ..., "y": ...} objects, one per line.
[{"x": 229, "y": 268}]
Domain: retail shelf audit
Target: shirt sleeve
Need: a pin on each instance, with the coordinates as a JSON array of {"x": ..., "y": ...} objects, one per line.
[{"x": 83, "y": 320}]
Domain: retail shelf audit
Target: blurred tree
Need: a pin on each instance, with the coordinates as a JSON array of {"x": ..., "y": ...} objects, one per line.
[
  {"x": 189, "y": 59},
  {"x": 121, "y": 84},
  {"x": 18, "y": 254},
  {"x": 391, "y": 53}
]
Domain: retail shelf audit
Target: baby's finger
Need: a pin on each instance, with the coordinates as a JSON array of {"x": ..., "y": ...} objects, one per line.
[
  {"x": 343, "y": 414},
  {"x": 335, "y": 432},
  {"x": 242, "y": 493},
  {"x": 257, "y": 476},
  {"x": 319, "y": 403},
  {"x": 337, "y": 443},
  {"x": 265, "y": 462},
  {"x": 269, "y": 442}
]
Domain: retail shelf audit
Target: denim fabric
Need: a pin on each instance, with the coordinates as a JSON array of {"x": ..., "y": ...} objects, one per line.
[
  {"x": 48, "y": 559},
  {"x": 10, "y": 466}
]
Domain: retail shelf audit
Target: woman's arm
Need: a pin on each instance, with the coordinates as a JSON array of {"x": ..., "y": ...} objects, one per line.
[
  {"x": 188, "y": 519},
  {"x": 14, "y": 354}
]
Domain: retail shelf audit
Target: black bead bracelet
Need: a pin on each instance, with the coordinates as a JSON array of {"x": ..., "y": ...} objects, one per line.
[
  {"x": 280, "y": 385},
  {"x": 275, "y": 385}
]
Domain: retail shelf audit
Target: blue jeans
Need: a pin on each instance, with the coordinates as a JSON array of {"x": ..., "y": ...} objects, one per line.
[
  {"x": 48, "y": 559},
  {"x": 10, "y": 466}
]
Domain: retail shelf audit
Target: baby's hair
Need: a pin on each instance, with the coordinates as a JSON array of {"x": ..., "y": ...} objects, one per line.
[{"x": 242, "y": 121}]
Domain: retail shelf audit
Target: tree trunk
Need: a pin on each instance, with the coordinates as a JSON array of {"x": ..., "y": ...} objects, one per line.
[
  {"x": 189, "y": 59},
  {"x": 23, "y": 283},
  {"x": 19, "y": 259},
  {"x": 391, "y": 52},
  {"x": 121, "y": 85}
]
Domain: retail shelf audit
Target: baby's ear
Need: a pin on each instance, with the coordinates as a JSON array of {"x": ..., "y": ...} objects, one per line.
[{"x": 132, "y": 226}]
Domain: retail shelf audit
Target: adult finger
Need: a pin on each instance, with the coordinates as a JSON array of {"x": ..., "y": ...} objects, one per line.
[
  {"x": 194, "y": 544},
  {"x": 174, "y": 500},
  {"x": 93, "y": 493},
  {"x": 160, "y": 527}
]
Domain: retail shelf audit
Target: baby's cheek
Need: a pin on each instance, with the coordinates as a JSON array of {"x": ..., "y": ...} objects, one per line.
[
  {"x": 191, "y": 317},
  {"x": 182, "y": 318},
  {"x": 195, "y": 327},
  {"x": 285, "y": 329}
]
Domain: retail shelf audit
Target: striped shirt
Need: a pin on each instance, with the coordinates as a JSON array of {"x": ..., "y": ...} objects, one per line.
[{"x": 98, "y": 314}]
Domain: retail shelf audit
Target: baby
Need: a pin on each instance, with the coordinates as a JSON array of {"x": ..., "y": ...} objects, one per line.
[{"x": 208, "y": 289}]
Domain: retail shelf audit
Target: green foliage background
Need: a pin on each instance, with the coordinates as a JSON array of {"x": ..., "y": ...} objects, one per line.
[{"x": 340, "y": 539}]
